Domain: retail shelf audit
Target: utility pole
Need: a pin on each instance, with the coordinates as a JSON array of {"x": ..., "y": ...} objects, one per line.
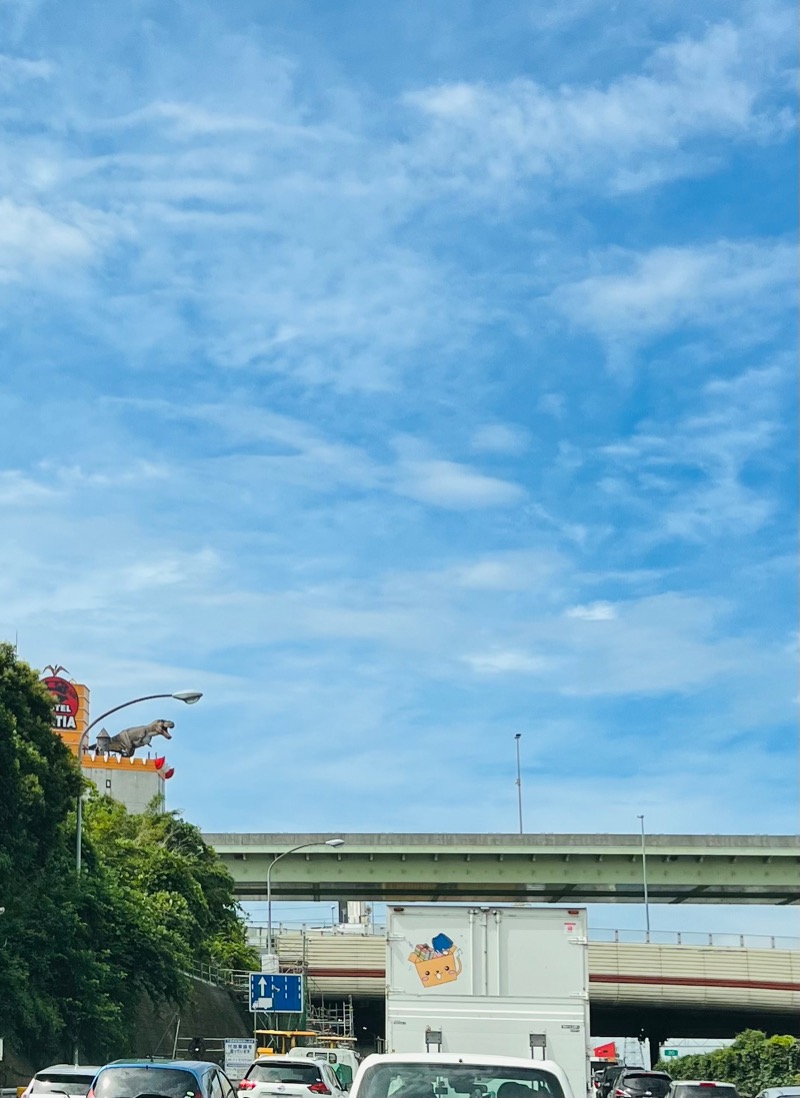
[
  {"x": 517, "y": 738},
  {"x": 644, "y": 879}
]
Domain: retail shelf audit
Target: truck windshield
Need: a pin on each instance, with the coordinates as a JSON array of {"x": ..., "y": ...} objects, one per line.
[{"x": 415, "y": 1080}]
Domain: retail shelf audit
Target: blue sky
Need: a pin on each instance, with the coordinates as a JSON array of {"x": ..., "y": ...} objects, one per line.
[{"x": 404, "y": 377}]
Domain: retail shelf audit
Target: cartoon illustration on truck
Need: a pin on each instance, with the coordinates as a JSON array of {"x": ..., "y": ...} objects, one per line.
[{"x": 437, "y": 963}]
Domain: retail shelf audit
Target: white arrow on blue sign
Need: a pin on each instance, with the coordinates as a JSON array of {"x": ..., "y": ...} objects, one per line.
[{"x": 276, "y": 993}]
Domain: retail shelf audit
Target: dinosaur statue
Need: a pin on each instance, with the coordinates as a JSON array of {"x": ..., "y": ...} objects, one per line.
[{"x": 129, "y": 740}]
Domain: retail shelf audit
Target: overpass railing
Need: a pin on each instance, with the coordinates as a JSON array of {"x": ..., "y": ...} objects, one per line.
[{"x": 695, "y": 938}]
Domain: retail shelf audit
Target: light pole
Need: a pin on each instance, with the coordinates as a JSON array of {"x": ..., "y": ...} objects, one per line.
[
  {"x": 644, "y": 879},
  {"x": 518, "y": 783},
  {"x": 333, "y": 843},
  {"x": 189, "y": 697}
]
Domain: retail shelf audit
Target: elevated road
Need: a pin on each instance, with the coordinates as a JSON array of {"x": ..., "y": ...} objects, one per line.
[
  {"x": 736, "y": 869},
  {"x": 701, "y": 991}
]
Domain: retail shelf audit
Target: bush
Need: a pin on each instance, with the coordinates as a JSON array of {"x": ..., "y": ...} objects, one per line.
[{"x": 752, "y": 1063}]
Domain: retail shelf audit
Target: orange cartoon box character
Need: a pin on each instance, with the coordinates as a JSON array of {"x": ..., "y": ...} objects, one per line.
[{"x": 439, "y": 963}]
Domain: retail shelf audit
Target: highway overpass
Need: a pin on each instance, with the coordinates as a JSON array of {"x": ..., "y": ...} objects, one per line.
[{"x": 546, "y": 868}]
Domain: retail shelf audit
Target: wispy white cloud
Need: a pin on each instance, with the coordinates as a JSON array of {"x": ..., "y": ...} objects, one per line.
[
  {"x": 697, "y": 475},
  {"x": 14, "y": 70},
  {"x": 454, "y": 485},
  {"x": 19, "y": 489},
  {"x": 593, "y": 611},
  {"x": 505, "y": 662},
  {"x": 500, "y": 438},
  {"x": 636, "y": 131},
  {"x": 33, "y": 240},
  {"x": 735, "y": 288}
]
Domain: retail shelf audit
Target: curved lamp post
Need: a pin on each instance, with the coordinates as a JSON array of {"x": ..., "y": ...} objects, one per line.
[
  {"x": 333, "y": 843},
  {"x": 187, "y": 696}
]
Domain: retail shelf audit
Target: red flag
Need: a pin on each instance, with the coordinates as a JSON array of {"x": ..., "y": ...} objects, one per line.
[
  {"x": 159, "y": 762},
  {"x": 169, "y": 772},
  {"x": 606, "y": 1052}
]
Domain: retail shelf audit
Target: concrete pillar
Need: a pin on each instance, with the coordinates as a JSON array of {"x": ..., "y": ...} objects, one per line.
[{"x": 655, "y": 1040}]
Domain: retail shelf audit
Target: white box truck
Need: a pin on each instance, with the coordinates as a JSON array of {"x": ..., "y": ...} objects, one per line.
[{"x": 513, "y": 981}]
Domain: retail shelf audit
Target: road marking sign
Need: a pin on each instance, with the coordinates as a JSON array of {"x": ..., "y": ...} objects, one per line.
[{"x": 276, "y": 992}]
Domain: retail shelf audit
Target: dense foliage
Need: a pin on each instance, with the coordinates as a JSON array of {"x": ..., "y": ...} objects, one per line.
[
  {"x": 76, "y": 955},
  {"x": 752, "y": 1063}
]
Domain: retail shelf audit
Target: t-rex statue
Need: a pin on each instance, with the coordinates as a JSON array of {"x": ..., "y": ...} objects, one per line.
[{"x": 129, "y": 740}]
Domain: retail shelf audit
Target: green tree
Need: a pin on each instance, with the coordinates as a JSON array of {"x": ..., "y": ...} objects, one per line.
[
  {"x": 78, "y": 954},
  {"x": 185, "y": 885},
  {"x": 752, "y": 1062}
]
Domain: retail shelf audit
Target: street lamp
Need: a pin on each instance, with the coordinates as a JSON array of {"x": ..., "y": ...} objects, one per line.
[
  {"x": 518, "y": 783},
  {"x": 189, "y": 697},
  {"x": 333, "y": 843},
  {"x": 644, "y": 880}
]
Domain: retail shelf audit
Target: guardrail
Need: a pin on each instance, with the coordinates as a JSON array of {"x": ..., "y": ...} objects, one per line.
[
  {"x": 716, "y": 939},
  {"x": 209, "y": 974},
  {"x": 694, "y": 938}
]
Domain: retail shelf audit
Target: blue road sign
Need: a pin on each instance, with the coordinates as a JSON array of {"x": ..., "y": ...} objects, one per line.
[{"x": 276, "y": 993}]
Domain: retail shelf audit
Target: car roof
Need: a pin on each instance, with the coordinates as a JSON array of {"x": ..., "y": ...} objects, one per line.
[
  {"x": 706, "y": 1083},
  {"x": 284, "y": 1058},
  {"x": 647, "y": 1071},
  {"x": 187, "y": 1065},
  {"x": 71, "y": 1069},
  {"x": 468, "y": 1058}
]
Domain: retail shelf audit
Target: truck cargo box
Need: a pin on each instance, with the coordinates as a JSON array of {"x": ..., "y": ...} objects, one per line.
[{"x": 511, "y": 981}]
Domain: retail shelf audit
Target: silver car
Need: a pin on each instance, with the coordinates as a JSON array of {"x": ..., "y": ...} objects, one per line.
[
  {"x": 70, "y": 1079},
  {"x": 701, "y": 1088},
  {"x": 284, "y": 1077}
]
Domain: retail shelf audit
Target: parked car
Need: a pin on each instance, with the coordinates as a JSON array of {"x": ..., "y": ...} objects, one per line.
[
  {"x": 164, "y": 1078},
  {"x": 289, "y": 1077},
  {"x": 695, "y": 1088},
  {"x": 458, "y": 1075},
  {"x": 640, "y": 1083},
  {"x": 780, "y": 1092},
  {"x": 62, "y": 1079}
]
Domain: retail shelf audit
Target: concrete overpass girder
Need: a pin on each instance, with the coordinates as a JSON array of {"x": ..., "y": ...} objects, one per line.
[{"x": 573, "y": 869}]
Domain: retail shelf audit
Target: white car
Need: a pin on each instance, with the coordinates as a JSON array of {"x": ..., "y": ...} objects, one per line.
[
  {"x": 70, "y": 1079},
  {"x": 701, "y": 1088},
  {"x": 284, "y": 1077},
  {"x": 451, "y": 1075}
]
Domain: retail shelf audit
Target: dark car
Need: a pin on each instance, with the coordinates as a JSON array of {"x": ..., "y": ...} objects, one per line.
[
  {"x": 639, "y": 1083},
  {"x": 606, "y": 1078},
  {"x": 161, "y": 1078}
]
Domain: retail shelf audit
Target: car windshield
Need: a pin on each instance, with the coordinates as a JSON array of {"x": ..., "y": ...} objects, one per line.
[
  {"x": 129, "y": 1082},
  {"x": 46, "y": 1082},
  {"x": 415, "y": 1080},
  {"x": 657, "y": 1085},
  {"x": 284, "y": 1073}
]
